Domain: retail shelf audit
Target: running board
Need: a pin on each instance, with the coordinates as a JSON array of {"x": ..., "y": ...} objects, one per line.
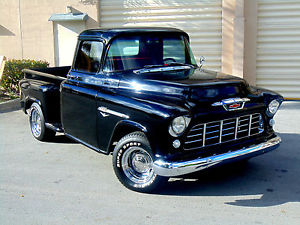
[
  {"x": 55, "y": 127},
  {"x": 86, "y": 144}
]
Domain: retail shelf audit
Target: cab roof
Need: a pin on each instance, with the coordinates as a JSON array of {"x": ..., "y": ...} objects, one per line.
[{"x": 108, "y": 33}]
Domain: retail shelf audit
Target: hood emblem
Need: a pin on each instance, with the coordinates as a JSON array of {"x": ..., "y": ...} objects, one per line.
[
  {"x": 235, "y": 106},
  {"x": 231, "y": 104}
]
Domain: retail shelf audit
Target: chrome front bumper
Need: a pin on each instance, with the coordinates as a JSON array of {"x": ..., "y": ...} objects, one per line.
[{"x": 172, "y": 169}]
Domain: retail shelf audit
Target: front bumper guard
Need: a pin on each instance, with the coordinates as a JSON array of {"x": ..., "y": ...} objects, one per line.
[{"x": 173, "y": 169}]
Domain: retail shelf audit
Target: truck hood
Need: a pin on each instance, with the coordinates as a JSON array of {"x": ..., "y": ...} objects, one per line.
[
  {"x": 204, "y": 85},
  {"x": 193, "y": 84},
  {"x": 183, "y": 90},
  {"x": 196, "y": 77}
]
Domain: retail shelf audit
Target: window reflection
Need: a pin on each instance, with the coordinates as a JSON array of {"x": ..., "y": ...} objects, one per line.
[
  {"x": 89, "y": 56},
  {"x": 138, "y": 51}
]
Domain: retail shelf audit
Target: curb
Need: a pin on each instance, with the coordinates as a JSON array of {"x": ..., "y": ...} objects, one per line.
[{"x": 10, "y": 106}]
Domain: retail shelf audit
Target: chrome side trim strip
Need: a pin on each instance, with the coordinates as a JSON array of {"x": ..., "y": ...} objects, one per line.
[
  {"x": 106, "y": 110},
  {"x": 172, "y": 168}
]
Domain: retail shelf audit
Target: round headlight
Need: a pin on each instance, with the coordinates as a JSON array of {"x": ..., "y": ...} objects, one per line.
[
  {"x": 273, "y": 106},
  {"x": 178, "y": 125}
]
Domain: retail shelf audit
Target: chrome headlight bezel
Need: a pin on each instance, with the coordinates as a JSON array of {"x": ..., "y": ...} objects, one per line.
[
  {"x": 179, "y": 125},
  {"x": 273, "y": 107}
]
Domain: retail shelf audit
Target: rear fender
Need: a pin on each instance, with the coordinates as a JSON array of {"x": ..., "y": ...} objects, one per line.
[{"x": 28, "y": 102}]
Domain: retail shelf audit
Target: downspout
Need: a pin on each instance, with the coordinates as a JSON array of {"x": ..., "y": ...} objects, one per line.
[
  {"x": 98, "y": 12},
  {"x": 21, "y": 30}
]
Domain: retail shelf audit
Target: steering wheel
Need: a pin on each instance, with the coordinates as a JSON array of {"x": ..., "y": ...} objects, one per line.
[{"x": 168, "y": 59}]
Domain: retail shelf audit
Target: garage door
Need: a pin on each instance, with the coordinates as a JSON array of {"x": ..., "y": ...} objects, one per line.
[
  {"x": 278, "y": 46},
  {"x": 201, "y": 19}
]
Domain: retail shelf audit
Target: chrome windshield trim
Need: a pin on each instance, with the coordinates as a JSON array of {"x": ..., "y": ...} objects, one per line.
[{"x": 171, "y": 169}]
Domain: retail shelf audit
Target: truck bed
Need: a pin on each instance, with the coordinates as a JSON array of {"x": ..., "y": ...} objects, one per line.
[{"x": 42, "y": 85}]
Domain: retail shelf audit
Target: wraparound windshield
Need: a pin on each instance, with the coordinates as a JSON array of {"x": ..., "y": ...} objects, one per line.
[{"x": 147, "y": 50}]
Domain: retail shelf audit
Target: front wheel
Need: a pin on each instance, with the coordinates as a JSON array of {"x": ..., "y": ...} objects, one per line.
[{"x": 133, "y": 164}]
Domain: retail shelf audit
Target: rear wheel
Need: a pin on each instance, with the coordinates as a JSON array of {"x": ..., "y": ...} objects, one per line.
[
  {"x": 37, "y": 124},
  {"x": 133, "y": 164}
]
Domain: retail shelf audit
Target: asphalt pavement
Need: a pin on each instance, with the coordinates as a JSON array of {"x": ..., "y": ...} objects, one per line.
[{"x": 62, "y": 182}]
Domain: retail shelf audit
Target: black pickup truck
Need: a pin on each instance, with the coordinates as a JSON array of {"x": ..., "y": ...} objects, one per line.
[{"x": 140, "y": 95}]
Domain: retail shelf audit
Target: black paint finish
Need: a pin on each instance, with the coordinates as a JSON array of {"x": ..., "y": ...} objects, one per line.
[{"x": 140, "y": 101}]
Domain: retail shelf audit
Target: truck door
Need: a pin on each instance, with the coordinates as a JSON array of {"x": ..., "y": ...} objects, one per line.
[{"x": 78, "y": 93}]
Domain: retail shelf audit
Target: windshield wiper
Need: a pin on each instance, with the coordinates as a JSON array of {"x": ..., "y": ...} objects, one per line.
[
  {"x": 169, "y": 64},
  {"x": 179, "y": 64},
  {"x": 153, "y": 66},
  {"x": 162, "y": 68}
]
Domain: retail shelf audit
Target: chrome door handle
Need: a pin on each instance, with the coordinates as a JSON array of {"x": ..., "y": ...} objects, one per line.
[
  {"x": 71, "y": 77},
  {"x": 74, "y": 77}
]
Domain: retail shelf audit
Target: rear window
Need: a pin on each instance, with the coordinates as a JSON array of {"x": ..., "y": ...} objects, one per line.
[
  {"x": 89, "y": 56},
  {"x": 124, "y": 47}
]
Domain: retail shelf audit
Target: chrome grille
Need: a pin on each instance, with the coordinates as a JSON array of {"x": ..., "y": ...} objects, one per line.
[{"x": 217, "y": 132}]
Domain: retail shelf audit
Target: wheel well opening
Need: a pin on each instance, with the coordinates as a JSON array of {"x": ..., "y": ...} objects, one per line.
[
  {"x": 119, "y": 133},
  {"x": 28, "y": 104}
]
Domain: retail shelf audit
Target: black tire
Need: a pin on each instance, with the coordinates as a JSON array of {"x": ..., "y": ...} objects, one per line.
[
  {"x": 37, "y": 124},
  {"x": 132, "y": 163}
]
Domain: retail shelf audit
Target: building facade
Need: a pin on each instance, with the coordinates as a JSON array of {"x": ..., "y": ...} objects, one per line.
[{"x": 255, "y": 39}]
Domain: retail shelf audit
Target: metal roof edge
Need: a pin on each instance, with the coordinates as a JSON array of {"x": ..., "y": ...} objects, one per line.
[{"x": 57, "y": 17}]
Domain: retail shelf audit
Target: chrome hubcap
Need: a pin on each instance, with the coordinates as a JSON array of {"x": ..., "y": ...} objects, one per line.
[
  {"x": 140, "y": 163},
  {"x": 137, "y": 165},
  {"x": 36, "y": 123}
]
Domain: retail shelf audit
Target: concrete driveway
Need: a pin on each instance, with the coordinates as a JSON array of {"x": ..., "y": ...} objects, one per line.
[{"x": 66, "y": 183}]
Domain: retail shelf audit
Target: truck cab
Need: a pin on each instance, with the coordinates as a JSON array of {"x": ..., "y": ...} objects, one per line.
[{"x": 139, "y": 94}]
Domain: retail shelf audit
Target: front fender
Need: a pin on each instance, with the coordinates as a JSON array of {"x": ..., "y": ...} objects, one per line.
[
  {"x": 268, "y": 95},
  {"x": 131, "y": 124},
  {"x": 157, "y": 133}
]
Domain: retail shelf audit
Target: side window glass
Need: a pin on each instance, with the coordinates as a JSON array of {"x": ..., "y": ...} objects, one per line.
[{"x": 89, "y": 56}]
